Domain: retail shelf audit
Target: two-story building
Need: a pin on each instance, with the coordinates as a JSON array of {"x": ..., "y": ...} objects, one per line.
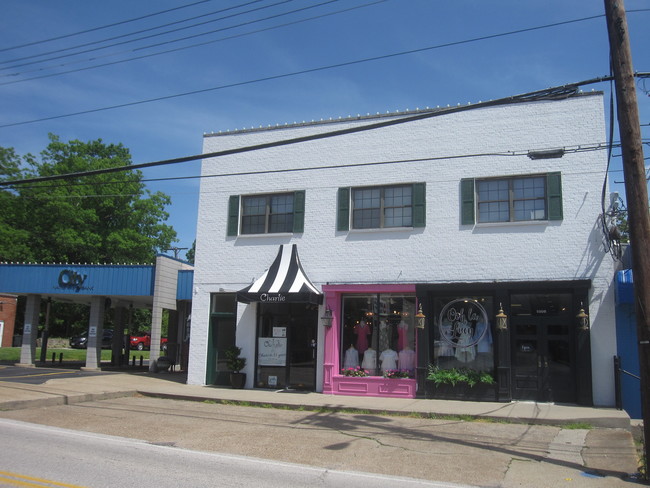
[{"x": 465, "y": 237}]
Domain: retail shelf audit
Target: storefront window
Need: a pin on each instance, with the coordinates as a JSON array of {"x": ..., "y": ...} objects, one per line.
[
  {"x": 378, "y": 336},
  {"x": 463, "y": 333}
]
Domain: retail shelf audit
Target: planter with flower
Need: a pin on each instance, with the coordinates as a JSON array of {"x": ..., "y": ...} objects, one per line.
[
  {"x": 358, "y": 372},
  {"x": 398, "y": 373}
]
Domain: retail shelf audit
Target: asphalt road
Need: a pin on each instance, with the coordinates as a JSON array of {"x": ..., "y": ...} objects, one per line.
[
  {"x": 452, "y": 451},
  {"x": 36, "y": 455}
]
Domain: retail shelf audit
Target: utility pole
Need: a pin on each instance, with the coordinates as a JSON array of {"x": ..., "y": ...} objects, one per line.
[{"x": 636, "y": 191}]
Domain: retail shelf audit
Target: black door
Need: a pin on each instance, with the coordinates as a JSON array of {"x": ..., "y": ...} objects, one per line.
[
  {"x": 302, "y": 352},
  {"x": 543, "y": 360}
]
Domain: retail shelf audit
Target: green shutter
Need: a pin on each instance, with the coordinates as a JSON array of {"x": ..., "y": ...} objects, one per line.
[
  {"x": 299, "y": 211},
  {"x": 554, "y": 196},
  {"x": 467, "y": 201},
  {"x": 343, "y": 210},
  {"x": 419, "y": 205},
  {"x": 233, "y": 215}
]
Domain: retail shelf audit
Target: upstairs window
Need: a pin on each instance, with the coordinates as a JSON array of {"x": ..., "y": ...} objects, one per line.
[
  {"x": 516, "y": 199},
  {"x": 381, "y": 207},
  {"x": 266, "y": 214}
]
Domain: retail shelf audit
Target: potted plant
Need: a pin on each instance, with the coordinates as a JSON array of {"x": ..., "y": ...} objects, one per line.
[{"x": 235, "y": 363}]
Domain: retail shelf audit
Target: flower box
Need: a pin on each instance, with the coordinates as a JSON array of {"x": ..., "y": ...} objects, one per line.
[{"x": 480, "y": 392}]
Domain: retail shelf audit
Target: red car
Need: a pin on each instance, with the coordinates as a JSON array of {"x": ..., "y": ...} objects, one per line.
[{"x": 142, "y": 342}]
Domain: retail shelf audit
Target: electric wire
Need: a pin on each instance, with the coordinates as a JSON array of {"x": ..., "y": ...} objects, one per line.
[
  {"x": 167, "y": 51},
  {"x": 62, "y": 56},
  {"x": 95, "y": 29}
]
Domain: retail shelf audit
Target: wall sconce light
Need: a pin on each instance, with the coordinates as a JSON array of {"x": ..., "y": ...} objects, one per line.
[
  {"x": 327, "y": 317},
  {"x": 583, "y": 318},
  {"x": 502, "y": 319},
  {"x": 420, "y": 318}
]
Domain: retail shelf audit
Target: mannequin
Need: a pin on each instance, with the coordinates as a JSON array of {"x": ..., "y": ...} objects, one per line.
[
  {"x": 384, "y": 335},
  {"x": 370, "y": 361},
  {"x": 351, "y": 359},
  {"x": 464, "y": 353},
  {"x": 388, "y": 359},
  {"x": 407, "y": 358},
  {"x": 362, "y": 330},
  {"x": 402, "y": 332}
]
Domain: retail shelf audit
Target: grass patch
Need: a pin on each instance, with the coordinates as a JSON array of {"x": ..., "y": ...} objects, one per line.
[{"x": 577, "y": 426}]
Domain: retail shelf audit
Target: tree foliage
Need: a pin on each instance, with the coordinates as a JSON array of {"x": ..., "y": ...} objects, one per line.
[{"x": 104, "y": 218}]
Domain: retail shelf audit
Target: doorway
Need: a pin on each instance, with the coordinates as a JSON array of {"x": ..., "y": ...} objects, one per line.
[
  {"x": 543, "y": 352},
  {"x": 286, "y": 346}
]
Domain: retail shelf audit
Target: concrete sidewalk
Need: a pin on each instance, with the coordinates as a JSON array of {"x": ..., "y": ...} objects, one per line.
[{"x": 60, "y": 391}]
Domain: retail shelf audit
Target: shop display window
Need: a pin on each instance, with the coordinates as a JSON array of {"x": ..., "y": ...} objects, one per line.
[
  {"x": 463, "y": 333},
  {"x": 378, "y": 335}
]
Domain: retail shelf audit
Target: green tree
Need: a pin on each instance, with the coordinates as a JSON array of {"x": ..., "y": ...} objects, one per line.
[
  {"x": 104, "y": 218},
  {"x": 189, "y": 255}
]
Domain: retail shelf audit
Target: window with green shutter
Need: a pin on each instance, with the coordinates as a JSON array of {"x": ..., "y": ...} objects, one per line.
[
  {"x": 381, "y": 207},
  {"x": 267, "y": 213},
  {"x": 513, "y": 199}
]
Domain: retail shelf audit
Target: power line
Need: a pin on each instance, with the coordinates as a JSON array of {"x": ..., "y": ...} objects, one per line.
[
  {"x": 305, "y": 71},
  {"x": 143, "y": 37},
  {"x": 550, "y": 93},
  {"x": 94, "y": 29},
  {"x": 182, "y": 48}
]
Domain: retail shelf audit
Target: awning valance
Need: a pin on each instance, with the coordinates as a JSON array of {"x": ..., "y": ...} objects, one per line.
[{"x": 284, "y": 282}]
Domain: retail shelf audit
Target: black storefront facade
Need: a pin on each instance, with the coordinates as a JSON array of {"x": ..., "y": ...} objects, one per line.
[{"x": 536, "y": 344}]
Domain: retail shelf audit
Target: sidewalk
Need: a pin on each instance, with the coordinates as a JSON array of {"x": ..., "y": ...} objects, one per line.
[{"x": 59, "y": 391}]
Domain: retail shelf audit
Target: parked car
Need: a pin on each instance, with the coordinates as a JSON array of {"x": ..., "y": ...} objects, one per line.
[
  {"x": 81, "y": 341},
  {"x": 143, "y": 341}
]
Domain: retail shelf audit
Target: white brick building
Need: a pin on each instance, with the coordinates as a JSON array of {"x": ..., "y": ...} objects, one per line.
[{"x": 445, "y": 207}]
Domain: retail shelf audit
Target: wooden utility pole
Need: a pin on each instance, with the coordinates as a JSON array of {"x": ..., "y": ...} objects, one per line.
[{"x": 636, "y": 190}]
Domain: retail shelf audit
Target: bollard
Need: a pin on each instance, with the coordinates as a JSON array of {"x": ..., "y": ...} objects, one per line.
[
  {"x": 133, "y": 361},
  {"x": 53, "y": 357},
  {"x": 60, "y": 358},
  {"x": 141, "y": 361}
]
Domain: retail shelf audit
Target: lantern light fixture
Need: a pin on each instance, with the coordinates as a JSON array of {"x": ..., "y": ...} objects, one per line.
[
  {"x": 327, "y": 317},
  {"x": 583, "y": 318},
  {"x": 420, "y": 318},
  {"x": 502, "y": 319}
]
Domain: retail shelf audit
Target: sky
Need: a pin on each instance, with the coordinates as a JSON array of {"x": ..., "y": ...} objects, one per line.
[{"x": 144, "y": 75}]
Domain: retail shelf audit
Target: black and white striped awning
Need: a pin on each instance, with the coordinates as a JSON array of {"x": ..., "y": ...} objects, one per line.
[{"x": 284, "y": 282}]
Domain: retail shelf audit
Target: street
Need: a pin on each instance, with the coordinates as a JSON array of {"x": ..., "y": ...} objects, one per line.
[
  {"x": 59, "y": 456},
  {"x": 173, "y": 435}
]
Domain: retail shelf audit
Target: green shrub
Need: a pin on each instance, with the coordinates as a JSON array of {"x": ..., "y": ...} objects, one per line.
[{"x": 455, "y": 376}]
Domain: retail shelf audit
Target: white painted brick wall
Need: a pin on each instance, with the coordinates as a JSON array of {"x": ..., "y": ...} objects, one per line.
[{"x": 444, "y": 251}]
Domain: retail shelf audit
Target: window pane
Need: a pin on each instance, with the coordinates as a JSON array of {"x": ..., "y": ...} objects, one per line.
[
  {"x": 281, "y": 216},
  {"x": 494, "y": 212},
  {"x": 366, "y": 219},
  {"x": 367, "y": 198},
  {"x": 512, "y": 199},
  {"x": 253, "y": 215},
  {"x": 398, "y": 217}
]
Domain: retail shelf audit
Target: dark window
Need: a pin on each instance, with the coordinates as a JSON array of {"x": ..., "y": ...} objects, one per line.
[
  {"x": 266, "y": 214},
  {"x": 512, "y": 199},
  {"x": 379, "y": 207}
]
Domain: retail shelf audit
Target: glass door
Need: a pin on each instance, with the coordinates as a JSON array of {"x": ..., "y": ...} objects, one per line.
[{"x": 543, "y": 359}]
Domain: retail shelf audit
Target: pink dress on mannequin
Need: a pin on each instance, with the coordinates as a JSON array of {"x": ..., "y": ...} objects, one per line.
[
  {"x": 362, "y": 330},
  {"x": 402, "y": 332}
]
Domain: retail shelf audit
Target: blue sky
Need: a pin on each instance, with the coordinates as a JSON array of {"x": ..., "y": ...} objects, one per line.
[{"x": 463, "y": 72}]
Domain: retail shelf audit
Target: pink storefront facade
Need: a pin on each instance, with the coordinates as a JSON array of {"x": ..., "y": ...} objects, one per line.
[{"x": 343, "y": 335}]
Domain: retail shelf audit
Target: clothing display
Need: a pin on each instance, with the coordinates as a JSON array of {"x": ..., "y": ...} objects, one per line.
[
  {"x": 485, "y": 344},
  {"x": 369, "y": 361},
  {"x": 384, "y": 335},
  {"x": 362, "y": 330},
  {"x": 351, "y": 359},
  {"x": 407, "y": 359},
  {"x": 388, "y": 359},
  {"x": 402, "y": 335},
  {"x": 465, "y": 354}
]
